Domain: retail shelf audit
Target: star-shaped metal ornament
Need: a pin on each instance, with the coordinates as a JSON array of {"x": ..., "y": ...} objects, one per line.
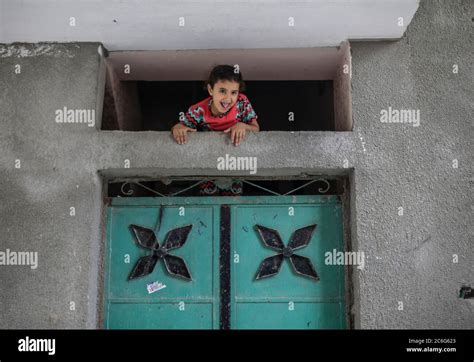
[
  {"x": 147, "y": 239},
  {"x": 299, "y": 239}
]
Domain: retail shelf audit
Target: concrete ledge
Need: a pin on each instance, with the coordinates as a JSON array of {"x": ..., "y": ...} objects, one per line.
[{"x": 322, "y": 151}]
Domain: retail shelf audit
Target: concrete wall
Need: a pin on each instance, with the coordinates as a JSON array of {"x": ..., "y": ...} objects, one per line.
[
  {"x": 342, "y": 91},
  {"x": 204, "y": 24},
  {"x": 125, "y": 102},
  {"x": 409, "y": 257}
]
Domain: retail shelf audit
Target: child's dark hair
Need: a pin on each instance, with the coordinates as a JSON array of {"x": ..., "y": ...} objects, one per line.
[{"x": 226, "y": 72}]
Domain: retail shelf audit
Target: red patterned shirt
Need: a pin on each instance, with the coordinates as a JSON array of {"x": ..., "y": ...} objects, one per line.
[{"x": 200, "y": 117}]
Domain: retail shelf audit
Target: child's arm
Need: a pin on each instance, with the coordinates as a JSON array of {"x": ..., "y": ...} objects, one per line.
[
  {"x": 180, "y": 132},
  {"x": 237, "y": 131},
  {"x": 253, "y": 126}
]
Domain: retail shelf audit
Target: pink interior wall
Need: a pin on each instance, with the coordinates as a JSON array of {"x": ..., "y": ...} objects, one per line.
[
  {"x": 125, "y": 101},
  {"x": 255, "y": 64}
]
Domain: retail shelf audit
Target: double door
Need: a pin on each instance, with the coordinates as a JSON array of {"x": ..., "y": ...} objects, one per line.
[{"x": 224, "y": 263}]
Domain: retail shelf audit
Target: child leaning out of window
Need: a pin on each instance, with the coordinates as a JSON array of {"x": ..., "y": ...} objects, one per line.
[{"x": 225, "y": 110}]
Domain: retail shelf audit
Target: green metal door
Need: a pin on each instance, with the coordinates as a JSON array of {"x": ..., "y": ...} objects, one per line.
[
  {"x": 183, "y": 303},
  {"x": 279, "y": 278},
  {"x": 224, "y": 262}
]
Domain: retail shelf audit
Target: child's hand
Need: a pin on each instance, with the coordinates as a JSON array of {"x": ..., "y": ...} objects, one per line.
[
  {"x": 180, "y": 131},
  {"x": 237, "y": 133}
]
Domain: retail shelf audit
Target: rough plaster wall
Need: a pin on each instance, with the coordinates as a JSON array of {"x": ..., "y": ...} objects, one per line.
[
  {"x": 57, "y": 172},
  {"x": 409, "y": 257}
]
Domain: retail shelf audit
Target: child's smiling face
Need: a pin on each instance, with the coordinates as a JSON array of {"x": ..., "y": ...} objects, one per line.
[{"x": 224, "y": 95}]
